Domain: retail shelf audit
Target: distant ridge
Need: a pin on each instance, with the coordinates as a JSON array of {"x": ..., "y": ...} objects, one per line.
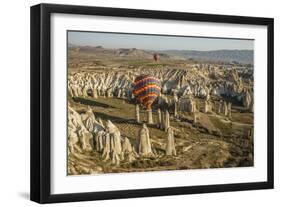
[
  {"x": 118, "y": 52},
  {"x": 241, "y": 56}
]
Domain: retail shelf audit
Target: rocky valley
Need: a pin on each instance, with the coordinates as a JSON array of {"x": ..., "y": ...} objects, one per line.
[{"x": 202, "y": 118}]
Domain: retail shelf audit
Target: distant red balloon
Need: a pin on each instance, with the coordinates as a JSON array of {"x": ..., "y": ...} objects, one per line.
[{"x": 155, "y": 57}]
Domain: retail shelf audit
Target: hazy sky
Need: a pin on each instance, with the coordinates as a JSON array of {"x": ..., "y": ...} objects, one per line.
[{"x": 156, "y": 42}]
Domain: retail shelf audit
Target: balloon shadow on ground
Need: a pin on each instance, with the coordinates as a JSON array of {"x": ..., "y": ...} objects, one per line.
[
  {"x": 114, "y": 119},
  {"x": 91, "y": 102}
]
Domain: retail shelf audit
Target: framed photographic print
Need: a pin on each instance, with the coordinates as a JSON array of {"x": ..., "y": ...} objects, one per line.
[{"x": 133, "y": 103}]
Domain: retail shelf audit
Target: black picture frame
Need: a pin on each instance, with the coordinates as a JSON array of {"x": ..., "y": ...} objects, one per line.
[{"x": 41, "y": 99}]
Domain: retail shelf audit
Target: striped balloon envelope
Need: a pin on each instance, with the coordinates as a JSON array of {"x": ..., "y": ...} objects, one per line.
[{"x": 146, "y": 89}]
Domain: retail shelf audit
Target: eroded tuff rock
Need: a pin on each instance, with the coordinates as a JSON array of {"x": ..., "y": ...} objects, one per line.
[
  {"x": 87, "y": 135},
  {"x": 144, "y": 142},
  {"x": 167, "y": 120},
  {"x": 187, "y": 103},
  {"x": 115, "y": 142},
  {"x": 170, "y": 145},
  {"x": 79, "y": 136},
  {"x": 248, "y": 100},
  {"x": 176, "y": 82}
]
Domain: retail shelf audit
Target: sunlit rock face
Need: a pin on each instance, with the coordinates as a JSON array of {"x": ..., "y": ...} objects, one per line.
[{"x": 86, "y": 135}]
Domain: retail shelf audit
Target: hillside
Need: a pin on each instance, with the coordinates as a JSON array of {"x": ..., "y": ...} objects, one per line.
[{"x": 120, "y": 52}]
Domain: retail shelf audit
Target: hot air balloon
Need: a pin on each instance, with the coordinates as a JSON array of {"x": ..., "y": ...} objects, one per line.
[
  {"x": 146, "y": 89},
  {"x": 155, "y": 57}
]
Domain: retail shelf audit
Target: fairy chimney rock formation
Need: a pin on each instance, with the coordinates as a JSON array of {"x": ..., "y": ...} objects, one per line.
[
  {"x": 90, "y": 119},
  {"x": 207, "y": 98},
  {"x": 193, "y": 106},
  {"x": 186, "y": 103},
  {"x": 115, "y": 142},
  {"x": 85, "y": 140},
  {"x": 195, "y": 117},
  {"x": 99, "y": 141},
  {"x": 167, "y": 120},
  {"x": 170, "y": 146},
  {"x": 95, "y": 93},
  {"x": 176, "y": 99},
  {"x": 77, "y": 125},
  {"x": 206, "y": 108},
  {"x": 163, "y": 120},
  {"x": 176, "y": 109},
  {"x": 252, "y": 106},
  {"x": 128, "y": 151},
  {"x": 144, "y": 142},
  {"x": 229, "y": 110},
  {"x": 119, "y": 93},
  {"x": 247, "y": 99},
  {"x": 137, "y": 111},
  {"x": 85, "y": 91},
  {"x": 149, "y": 116},
  {"x": 225, "y": 108},
  {"x": 159, "y": 118},
  {"x": 72, "y": 138},
  {"x": 106, "y": 148},
  {"x": 220, "y": 108}
]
